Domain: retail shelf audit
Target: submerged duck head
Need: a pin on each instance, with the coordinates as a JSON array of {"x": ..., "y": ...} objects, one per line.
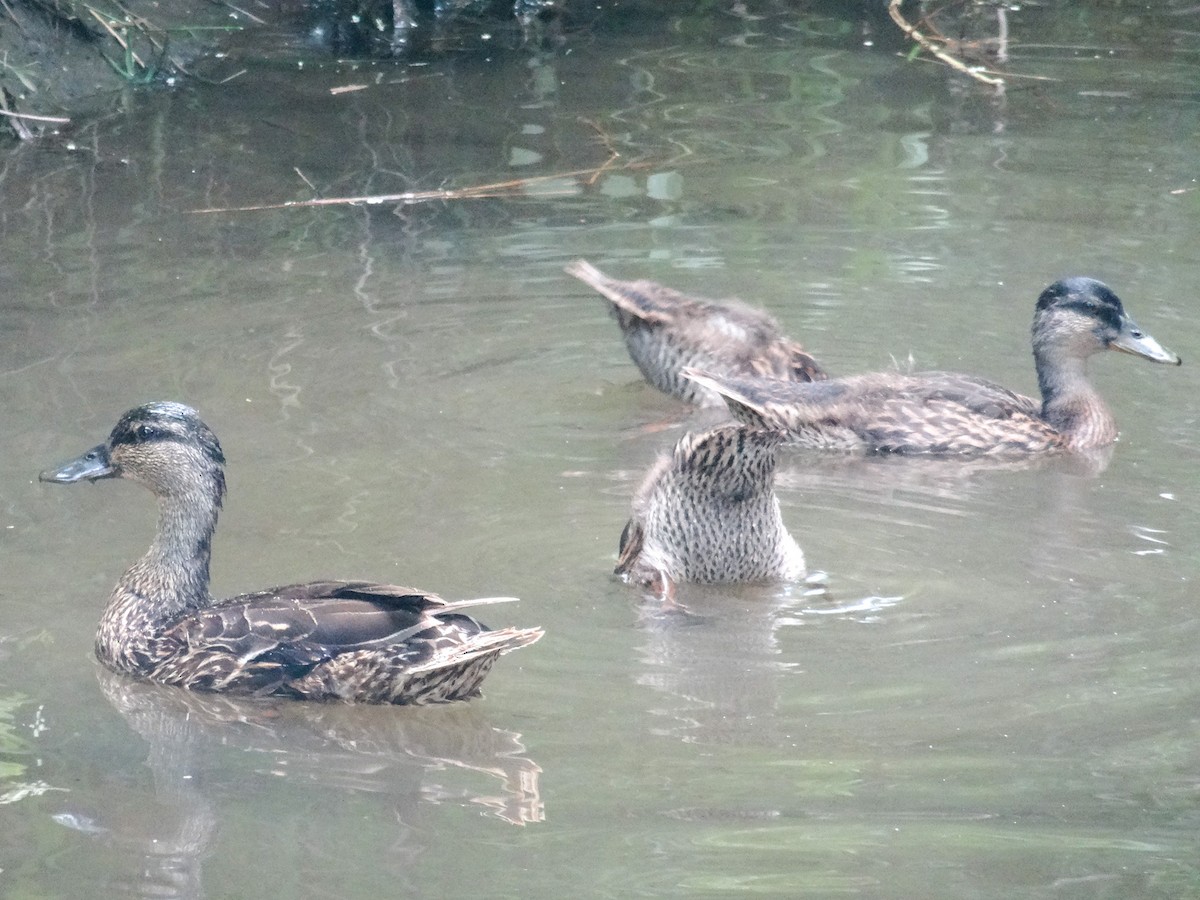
[
  {"x": 1076, "y": 317},
  {"x": 163, "y": 446}
]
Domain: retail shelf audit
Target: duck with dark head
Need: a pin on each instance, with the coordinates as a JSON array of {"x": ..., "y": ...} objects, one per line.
[
  {"x": 947, "y": 413},
  {"x": 325, "y": 640}
]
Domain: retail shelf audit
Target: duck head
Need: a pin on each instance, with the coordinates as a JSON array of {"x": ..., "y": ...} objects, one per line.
[
  {"x": 1076, "y": 317},
  {"x": 163, "y": 446}
]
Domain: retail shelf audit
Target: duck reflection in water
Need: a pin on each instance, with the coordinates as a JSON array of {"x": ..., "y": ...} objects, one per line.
[{"x": 408, "y": 761}]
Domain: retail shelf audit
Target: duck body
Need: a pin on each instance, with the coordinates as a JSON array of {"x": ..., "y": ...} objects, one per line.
[
  {"x": 707, "y": 512},
  {"x": 951, "y": 414},
  {"x": 666, "y": 331},
  {"x": 327, "y": 640},
  {"x": 335, "y": 640}
]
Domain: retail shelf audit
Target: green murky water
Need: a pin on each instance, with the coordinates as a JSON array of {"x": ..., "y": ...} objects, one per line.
[{"x": 999, "y": 696}]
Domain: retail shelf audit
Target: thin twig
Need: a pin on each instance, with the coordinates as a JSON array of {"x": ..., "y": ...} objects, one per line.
[
  {"x": 12, "y": 15},
  {"x": 26, "y": 82},
  {"x": 475, "y": 192},
  {"x": 249, "y": 15},
  {"x": 116, "y": 37},
  {"x": 20, "y": 128},
  {"x": 606, "y": 139},
  {"x": 312, "y": 187},
  {"x": 58, "y": 120},
  {"x": 143, "y": 25},
  {"x": 930, "y": 47}
]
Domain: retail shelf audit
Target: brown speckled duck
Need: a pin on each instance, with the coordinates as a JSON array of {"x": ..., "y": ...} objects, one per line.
[
  {"x": 707, "y": 512},
  {"x": 665, "y": 331},
  {"x": 327, "y": 640},
  {"x": 947, "y": 413}
]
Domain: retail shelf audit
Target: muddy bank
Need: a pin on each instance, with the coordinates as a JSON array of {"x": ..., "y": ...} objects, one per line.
[
  {"x": 69, "y": 59},
  {"x": 60, "y": 57},
  {"x": 63, "y": 59}
]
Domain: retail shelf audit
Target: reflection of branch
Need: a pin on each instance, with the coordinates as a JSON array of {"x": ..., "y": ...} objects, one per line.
[
  {"x": 16, "y": 122},
  {"x": 116, "y": 36},
  {"x": 60, "y": 120},
  {"x": 606, "y": 139},
  {"x": 930, "y": 47},
  {"x": 474, "y": 192}
]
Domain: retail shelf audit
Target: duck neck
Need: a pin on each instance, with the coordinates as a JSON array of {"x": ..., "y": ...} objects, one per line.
[
  {"x": 1071, "y": 405},
  {"x": 170, "y": 579},
  {"x": 178, "y": 559}
]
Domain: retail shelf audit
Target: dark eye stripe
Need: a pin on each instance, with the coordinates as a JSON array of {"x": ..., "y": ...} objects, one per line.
[
  {"x": 133, "y": 436},
  {"x": 166, "y": 422}
]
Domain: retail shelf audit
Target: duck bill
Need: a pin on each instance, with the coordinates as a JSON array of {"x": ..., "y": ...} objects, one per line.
[
  {"x": 92, "y": 466},
  {"x": 1133, "y": 340}
]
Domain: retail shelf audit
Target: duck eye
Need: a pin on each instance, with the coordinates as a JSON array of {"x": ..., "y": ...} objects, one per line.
[{"x": 147, "y": 432}]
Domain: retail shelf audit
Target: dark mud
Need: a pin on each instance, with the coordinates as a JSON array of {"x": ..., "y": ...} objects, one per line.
[
  {"x": 60, "y": 57},
  {"x": 69, "y": 59}
]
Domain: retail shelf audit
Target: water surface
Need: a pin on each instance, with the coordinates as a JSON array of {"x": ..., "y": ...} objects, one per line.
[{"x": 997, "y": 695}]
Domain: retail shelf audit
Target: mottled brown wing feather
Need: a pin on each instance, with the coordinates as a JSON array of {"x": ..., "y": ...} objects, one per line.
[
  {"x": 935, "y": 424},
  {"x": 986, "y": 398},
  {"x": 384, "y": 594},
  {"x": 281, "y": 633},
  {"x": 787, "y": 360},
  {"x": 928, "y": 412}
]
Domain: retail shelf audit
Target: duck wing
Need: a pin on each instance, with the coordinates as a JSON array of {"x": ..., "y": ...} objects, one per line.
[
  {"x": 975, "y": 395},
  {"x": 891, "y": 412},
  {"x": 261, "y": 641},
  {"x": 949, "y": 413}
]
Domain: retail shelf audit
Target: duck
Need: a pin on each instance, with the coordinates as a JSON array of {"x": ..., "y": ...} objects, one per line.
[
  {"x": 707, "y": 512},
  {"x": 666, "y": 331},
  {"x": 352, "y": 641},
  {"x": 945, "y": 413}
]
